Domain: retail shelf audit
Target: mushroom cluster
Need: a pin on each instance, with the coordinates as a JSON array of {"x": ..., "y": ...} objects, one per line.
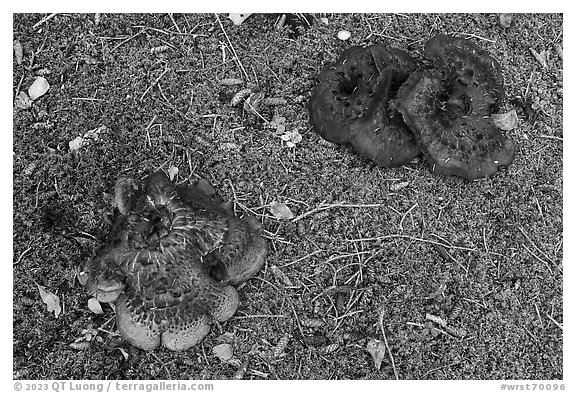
[
  {"x": 375, "y": 99},
  {"x": 171, "y": 259},
  {"x": 349, "y": 104}
]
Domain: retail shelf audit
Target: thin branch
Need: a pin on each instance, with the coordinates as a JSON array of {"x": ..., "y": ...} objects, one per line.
[
  {"x": 43, "y": 20},
  {"x": 381, "y": 326},
  {"x": 232, "y": 47},
  {"x": 154, "y": 83}
]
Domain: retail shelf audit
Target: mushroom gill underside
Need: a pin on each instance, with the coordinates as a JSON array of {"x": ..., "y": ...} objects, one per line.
[{"x": 170, "y": 262}]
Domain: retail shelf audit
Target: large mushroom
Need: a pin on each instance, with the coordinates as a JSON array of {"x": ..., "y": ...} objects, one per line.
[
  {"x": 171, "y": 259},
  {"x": 448, "y": 109},
  {"x": 350, "y": 104}
]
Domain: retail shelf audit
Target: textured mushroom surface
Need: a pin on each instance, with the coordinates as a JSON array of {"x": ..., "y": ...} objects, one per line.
[
  {"x": 171, "y": 259},
  {"x": 350, "y": 104},
  {"x": 448, "y": 109}
]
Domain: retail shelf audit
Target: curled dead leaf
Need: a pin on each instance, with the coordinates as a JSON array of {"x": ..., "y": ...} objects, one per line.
[
  {"x": 51, "y": 300},
  {"x": 172, "y": 172},
  {"x": 38, "y": 88},
  {"x": 280, "y": 211},
  {"x": 377, "y": 349},
  {"x": 80, "y": 346},
  {"x": 237, "y": 19},
  {"x": 95, "y": 306},
  {"x": 505, "y": 121},
  {"x": 223, "y": 352},
  {"x": 23, "y": 101}
]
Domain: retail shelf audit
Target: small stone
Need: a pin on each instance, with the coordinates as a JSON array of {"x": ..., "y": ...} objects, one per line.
[{"x": 344, "y": 35}]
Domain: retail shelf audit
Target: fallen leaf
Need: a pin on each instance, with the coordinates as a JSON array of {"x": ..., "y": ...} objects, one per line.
[
  {"x": 91, "y": 135},
  {"x": 95, "y": 306},
  {"x": 281, "y": 211},
  {"x": 76, "y": 143},
  {"x": 237, "y": 19},
  {"x": 398, "y": 186},
  {"x": 38, "y": 88},
  {"x": 377, "y": 349},
  {"x": 559, "y": 50},
  {"x": 223, "y": 352},
  {"x": 541, "y": 57},
  {"x": 172, "y": 172},
  {"x": 18, "y": 52},
  {"x": 505, "y": 121},
  {"x": 80, "y": 346},
  {"x": 505, "y": 20},
  {"x": 324, "y": 21},
  {"x": 23, "y": 101},
  {"x": 51, "y": 300}
]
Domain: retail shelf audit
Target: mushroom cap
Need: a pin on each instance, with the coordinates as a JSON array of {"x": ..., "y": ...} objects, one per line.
[
  {"x": 170, "y": 261},
  {"x": 448, "y": 110},
  {"x": 350, "y": 103}
]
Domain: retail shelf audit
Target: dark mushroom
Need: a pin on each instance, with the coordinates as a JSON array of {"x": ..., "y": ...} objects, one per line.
[
  {"x": 171, "y": 259},
  {"x": 448, "y": 109},
  {"x": 350, "y": 104}
]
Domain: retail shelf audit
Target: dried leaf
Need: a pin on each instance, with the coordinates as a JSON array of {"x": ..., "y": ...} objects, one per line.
[
  {"x": 38, "y": 88},
  {"x": 95, "y": 306},
  {"x": 506, "y": 121},
  {"x": 237, "y": 19},
  {"x": 23, "y": 101},
  {"x": 541, "y": 57},
  {"x": 295, "y": 137},
  {"x": 18, "y": 52},
  {"x": 505, "y": 20},
  {"x": 559, "y": 50},
  {"x": 398, "y": 186},
  {"x": 377, "y": 349},
  {"x": 51, "y": 300},
  {"x": 80, "y": 346},
  {"x": 76, "y": 143},
  {"x": 172, "y": 172},
  {"x": 281, "y": 276},
  {"x": 223, "y": 352},
  {"x": 281, "y": 211},
  {"x": 324, "y": 21}
]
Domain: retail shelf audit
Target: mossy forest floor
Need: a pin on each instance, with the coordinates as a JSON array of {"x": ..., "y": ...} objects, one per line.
[{"x": 401, "y": 243}]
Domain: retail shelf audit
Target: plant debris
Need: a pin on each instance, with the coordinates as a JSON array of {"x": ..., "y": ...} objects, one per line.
[
  {"x": 280, "y": 211},
  {"x": 505, "y": 121},
  {"x": 377, "y": 349},
  {"x": 51, "y": 300},
  {"x": 38, "y": 88}
]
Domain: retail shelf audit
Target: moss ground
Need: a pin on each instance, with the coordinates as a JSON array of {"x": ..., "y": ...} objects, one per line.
[{"x": 484, "y": 256}]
